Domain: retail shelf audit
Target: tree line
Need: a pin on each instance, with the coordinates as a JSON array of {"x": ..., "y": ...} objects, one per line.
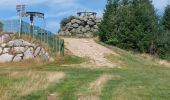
[{"x": 134, "y": 25}]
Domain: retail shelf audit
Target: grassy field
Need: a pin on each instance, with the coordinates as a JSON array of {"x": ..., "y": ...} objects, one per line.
[{"x": 135, "y": 78}]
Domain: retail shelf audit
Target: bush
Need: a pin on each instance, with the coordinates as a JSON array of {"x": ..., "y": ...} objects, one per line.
[{"x": 66, "y": 20}]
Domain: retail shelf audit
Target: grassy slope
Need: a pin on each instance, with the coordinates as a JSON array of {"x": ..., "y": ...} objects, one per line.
[{"x": 140, "y": 80}]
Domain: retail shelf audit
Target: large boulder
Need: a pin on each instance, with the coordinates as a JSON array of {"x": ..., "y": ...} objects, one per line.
[
  {"x": 29, "y": 53},
  {"x": 4, "y": 58},
  {"x": 5, "y": 38}
]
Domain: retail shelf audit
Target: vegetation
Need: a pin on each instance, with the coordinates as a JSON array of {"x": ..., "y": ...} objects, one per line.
[
  {"x": 66, "y": 20},
  {"x": 135, "y": 80},
  {"x": 134, "y": 25}
]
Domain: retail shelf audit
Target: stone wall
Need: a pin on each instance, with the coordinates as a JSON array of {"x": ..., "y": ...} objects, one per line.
[
  {"x": 82, "y": 26},
  {"x": 18, "y": 49}
]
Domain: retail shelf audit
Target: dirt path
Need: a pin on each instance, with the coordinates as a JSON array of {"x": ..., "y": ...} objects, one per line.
[{"x": 89, "y": 48}]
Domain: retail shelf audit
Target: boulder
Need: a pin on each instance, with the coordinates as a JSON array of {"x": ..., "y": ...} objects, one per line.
[
  {"x": 6, "y": 50},
  {"x": 37, "y": 51},
  {"x": 17, "y": 50},
  {"x": 5, "y": 38},
  {"x": 18, "y": 43},
  {"x": 73, "y": 21},
  {"x": 91, "y": 23},
  {"x": 1, "y": 50},
  {"x": 18, "y": 58},
  {"x": 28, "y": 54},
  {"x": 3, "y": 45},
  {"x": 4, "y": 58},
  {"x": 75, "y": 25},
  {"x": 84, "y": 30}
]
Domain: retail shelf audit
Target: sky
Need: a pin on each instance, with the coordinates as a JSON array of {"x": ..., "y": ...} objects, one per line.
[{"x": 56, "y": 10}]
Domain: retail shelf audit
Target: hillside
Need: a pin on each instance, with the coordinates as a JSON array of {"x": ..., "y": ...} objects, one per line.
[{"x": 84, "y": 74}]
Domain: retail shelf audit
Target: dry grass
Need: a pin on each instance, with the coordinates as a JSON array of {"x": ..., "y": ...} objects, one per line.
[
  {"x": 96, "y": 87},
  {"x": 156, "y": 60},
  {"x": 31, "y": 81}
]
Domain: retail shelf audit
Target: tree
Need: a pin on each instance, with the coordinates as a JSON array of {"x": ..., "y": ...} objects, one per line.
[
  {"x": 166, "y": 18},
  {"x": 105, "y": 28}
]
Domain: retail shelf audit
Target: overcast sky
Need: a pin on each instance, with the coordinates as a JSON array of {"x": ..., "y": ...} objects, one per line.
[{"x": 55, "y": 10}]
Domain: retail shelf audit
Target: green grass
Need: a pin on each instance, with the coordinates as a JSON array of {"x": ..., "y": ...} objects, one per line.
[{"x": 141, "y": 79}]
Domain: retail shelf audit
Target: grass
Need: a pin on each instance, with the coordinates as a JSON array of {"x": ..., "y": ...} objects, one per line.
[{"x": 140, "y": 79}]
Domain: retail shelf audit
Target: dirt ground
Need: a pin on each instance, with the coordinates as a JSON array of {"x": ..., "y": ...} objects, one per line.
[{"x": 90, "y": 49}]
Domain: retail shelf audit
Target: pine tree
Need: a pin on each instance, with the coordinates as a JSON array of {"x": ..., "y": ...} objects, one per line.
[
  {"x": 105, "y": 28},
  {"x": 166, "y": 18}
]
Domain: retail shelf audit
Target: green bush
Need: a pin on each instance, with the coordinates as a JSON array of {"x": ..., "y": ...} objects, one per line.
[{"x": 66, "y": 20}]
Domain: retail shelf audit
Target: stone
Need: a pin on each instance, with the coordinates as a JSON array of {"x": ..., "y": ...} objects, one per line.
[
  {"x": 18, "y": 50},
  {"x": 98, "y": 20},
  {"x": 78, "y": 21},
  {"x": 87, "y": 27},
  {"x": 75, "y": 25},
  {"x": 18, "y": 58},
  {"x": 3, "y": 45},
  {"x": 45, "y": 56},
  {"x": 5, "y": 38},
  {"x": 28, "y": 54},
  {"x": 84, "y": 30},
  {"x": 18, "y": 43},
  {"x": 37, "y": 51},
  {"x": 90, "y": 23},
  {"x": 73, "y": 21},
  {"x": 1, "y": 49},
  {"x": 4, "y": 58},
  {"x": 6, "y": 50},
  {"x": 42, "y": 52},
  {"x": 95, "y": 26},
  {"x": 10, "y": 43}
]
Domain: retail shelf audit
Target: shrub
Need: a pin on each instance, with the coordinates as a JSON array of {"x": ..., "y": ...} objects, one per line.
[{"x": 66, "y": 20}]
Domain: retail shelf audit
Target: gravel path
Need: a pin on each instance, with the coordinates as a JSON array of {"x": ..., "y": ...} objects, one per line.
[{"x": 89, "y": 48}]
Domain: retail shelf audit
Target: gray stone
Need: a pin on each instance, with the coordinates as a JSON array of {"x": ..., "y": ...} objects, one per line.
[
  {"x": 84, "y": 30},
  {"x": 42, "y": 52},
  {"x": 75, "y": 25},
  {"x": 78, "y": 21},
  {"x": 18, "y": 50},
  {"x": 1, "y": 49},
  {"x": 73, "y": 21},
  {"x": 6, "y": 50},
  {"x": 87, "y": 27},
  {"x": 95, "y": 26},
  {"x": 4, "y": 58},
  {"x": 28, "y": 54},
  {"x": 5, "y": 38},
  {"x": 17, "y": 58},
  {"x": 37, "y": 51},
  {"x": 18, "y": 43},
  {"x": 90, "y": 23},
  {"x": 10, "y": 43},
  {"x": 3, "y": 45}
]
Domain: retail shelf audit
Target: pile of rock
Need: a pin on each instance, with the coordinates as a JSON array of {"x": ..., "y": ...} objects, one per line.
[
  {"x": 82, "y": 26},
  {"x": 19, "y": 49}
]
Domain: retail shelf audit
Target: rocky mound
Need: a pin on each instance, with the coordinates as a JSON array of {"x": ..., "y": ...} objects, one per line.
[
  {"x": 81, "y": 26},
  {"x": 19, "y": 49}
]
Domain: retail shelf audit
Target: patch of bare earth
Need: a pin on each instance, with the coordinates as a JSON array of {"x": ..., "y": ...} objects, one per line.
[
  {"x": 96, "y": 87},
  {"x": 90, "y": 49}
]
